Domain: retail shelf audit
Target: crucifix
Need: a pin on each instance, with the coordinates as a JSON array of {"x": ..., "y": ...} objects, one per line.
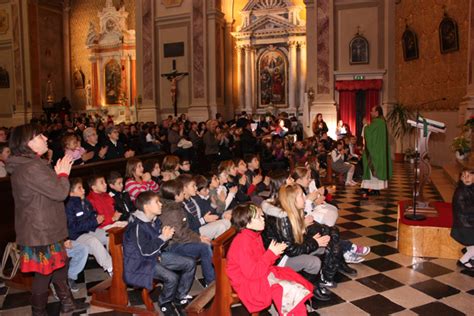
[{"x": 174, "y": 76}]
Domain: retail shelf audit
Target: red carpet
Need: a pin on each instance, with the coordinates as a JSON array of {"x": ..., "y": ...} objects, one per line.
[{"x": 444, "y": 219}]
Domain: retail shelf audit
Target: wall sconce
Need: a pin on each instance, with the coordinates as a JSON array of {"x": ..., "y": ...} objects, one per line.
[{"x": 311, "y": 94}]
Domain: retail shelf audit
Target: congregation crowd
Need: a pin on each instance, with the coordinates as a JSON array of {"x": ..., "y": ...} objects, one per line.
[{"x": 256, "y": 173}]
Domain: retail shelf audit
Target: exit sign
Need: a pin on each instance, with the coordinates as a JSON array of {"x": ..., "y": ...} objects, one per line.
[{"x": 359, "y": 77}]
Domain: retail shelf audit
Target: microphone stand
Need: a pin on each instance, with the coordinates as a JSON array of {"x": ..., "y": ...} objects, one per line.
[{"x": 414, "y": 216}]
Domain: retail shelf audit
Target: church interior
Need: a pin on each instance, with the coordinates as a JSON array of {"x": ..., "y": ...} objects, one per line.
[{"x": 146, "y": 60}]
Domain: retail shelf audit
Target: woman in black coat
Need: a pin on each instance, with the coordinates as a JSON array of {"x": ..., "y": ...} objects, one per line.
[{"x": 463, "y": 217}]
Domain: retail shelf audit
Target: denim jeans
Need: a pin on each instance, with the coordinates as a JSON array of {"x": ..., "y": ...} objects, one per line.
[
  {"x": 175, "y": 286},
  {"x": 197, "y": 250},
  {"x": 77, "y": 259}
]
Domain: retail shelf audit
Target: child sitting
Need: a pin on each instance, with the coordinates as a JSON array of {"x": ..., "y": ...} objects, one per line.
[
  {"x": 123, "y": 203},
  {"x": 185, "y": 242},
  {"x": 144, "y": 243},
  {"x": 251, "y": 269},
  {"x": 83, "y": 222},
  {"x": 4, "y": 154},
  {"x": 203, "y": 199},
  {"x": 153, "y": 167},
  {"x": 137, "y": 180},
  {"x": 185, "y": 166},
  {"x": 102, "y": 202},
  {"x": 201, "y": 221},
  {"x": 72, "y": 147}
]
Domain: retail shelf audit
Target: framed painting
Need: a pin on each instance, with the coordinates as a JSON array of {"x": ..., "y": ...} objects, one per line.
[
  {"x": 78, "y": 79},
  {"x": 409, "y": 44},
  {"x": 448, "y": 35},
  {"x": 113, "y": 80},
  {"x": 359, "y": 50},
  {"x": 272, "y": 77}
]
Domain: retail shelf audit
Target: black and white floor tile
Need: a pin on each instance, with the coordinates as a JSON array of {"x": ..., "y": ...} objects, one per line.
[{"x": 387, "y": 281}]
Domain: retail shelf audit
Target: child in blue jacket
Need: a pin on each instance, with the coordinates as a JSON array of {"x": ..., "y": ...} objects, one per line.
[{"x": 145, "y": 259}]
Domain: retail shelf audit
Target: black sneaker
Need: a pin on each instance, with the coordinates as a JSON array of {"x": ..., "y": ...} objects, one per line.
[
  {"x": 73, "y": 285},
  {"x": 181, "y": 306},
  {"x": 168, "y": 309}
]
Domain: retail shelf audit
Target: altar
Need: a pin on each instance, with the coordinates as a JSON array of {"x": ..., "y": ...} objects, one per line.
[{"x": 112, "y": 56}]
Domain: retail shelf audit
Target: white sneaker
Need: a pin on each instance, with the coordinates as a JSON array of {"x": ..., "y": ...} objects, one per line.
[
  {"x": 360, "y": 250},
  {"x": 351, "y": 257},
  {"x": 351, "y": 184}
]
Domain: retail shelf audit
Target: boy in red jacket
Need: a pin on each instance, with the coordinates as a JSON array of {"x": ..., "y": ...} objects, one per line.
[
  {"x": 252, "y": 272},
  {"x": 102, "y": 202}
]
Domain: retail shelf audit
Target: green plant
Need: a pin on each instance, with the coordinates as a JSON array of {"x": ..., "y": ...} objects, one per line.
[
  {"x": 397, "y": 118},
  {"x": 461, "y": 144}
]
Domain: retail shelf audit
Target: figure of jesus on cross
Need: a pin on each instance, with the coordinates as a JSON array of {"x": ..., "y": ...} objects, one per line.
[{"x": 174, "y": 76}]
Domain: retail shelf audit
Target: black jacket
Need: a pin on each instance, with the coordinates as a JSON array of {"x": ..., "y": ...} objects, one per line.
[
  {"x": 279, "y": 229},
  {"x": 114, "y": 152},
  {"x": 123, "y": 204},
  {"x": 463, "y": 214}
]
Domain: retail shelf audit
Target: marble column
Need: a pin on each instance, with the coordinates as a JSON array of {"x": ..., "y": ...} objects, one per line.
[
  {"x": 302, "y": 76},
  {"x": 67, "y": 50},
  {"x": 292, "y": 78},
  {"x": 240, "y": 79},
  {"x": 248, "y": 78}
]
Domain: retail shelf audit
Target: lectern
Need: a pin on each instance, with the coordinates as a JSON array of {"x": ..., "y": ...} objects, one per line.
[{"x": 422, "y": 172}]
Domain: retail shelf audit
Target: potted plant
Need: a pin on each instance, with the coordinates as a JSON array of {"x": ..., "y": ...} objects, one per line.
[
  {"x": 461, "y": 146},
  {"x": 410, "y": 155},
  {"x": 397, "y": 118}
]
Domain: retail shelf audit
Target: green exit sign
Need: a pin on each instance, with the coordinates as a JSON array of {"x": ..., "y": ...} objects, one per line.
[{"x": 359, "y": 77}]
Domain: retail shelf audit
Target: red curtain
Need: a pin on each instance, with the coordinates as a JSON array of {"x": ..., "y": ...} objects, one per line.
[
  {"x": 347, "y": 108},
  {"x": 371, "y": 100}
]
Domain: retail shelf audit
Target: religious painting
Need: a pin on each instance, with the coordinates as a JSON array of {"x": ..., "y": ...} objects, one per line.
[
  {"x": 113, "y": 81},
  {"x": 359, "y": 50},
  {"x": 4, "y": 78},
  {"x": 272, "y": 74},
  {"x": 448, "y": 35},
  {"x": 78, "y": 79},
  {"x": 410, "y": 44},
  {"x": 4, "y": 24}
]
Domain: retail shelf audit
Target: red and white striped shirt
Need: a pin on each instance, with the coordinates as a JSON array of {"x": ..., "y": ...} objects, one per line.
[{"x": 134, "y": 188}]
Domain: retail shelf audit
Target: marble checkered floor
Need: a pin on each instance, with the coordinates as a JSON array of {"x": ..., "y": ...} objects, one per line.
[{"x": 387, "y": 281}]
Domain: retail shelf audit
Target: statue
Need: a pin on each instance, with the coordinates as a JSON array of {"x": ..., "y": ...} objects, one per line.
[
  {"x": 49, "y": 90},
  {"x": 174, "y": 76},
  {"x": 88, "y": 93}
]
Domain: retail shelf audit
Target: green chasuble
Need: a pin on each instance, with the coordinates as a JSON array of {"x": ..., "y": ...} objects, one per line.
[{"x": 377, "y": 151}]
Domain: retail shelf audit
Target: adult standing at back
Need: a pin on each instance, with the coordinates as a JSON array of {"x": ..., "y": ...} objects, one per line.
[
  {"x": 40, "y": 220},
  {"x": 211, "y": 143},
  {"x": 376, "y": 157},
  {"x": 319, "y": 126}
]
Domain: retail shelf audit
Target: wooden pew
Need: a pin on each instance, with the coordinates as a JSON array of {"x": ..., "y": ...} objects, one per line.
[
  {"x": 112, "y": 292},
  {"x": 220, "y": 292}
]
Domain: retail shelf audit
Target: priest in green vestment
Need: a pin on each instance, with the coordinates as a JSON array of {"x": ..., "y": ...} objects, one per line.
[{"x": 376, "y": 157}]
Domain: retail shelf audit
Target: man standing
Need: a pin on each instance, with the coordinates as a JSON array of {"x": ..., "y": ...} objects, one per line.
[{"x": 376, "y": 158}]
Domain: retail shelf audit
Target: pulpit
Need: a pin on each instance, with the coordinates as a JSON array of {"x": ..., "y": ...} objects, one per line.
[{"x": 112, "y": 54}]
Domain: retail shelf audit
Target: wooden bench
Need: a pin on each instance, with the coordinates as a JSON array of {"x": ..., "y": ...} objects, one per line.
[
  {"x": 220, "y": 292},
  {"x": 112, "y": 292}
]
